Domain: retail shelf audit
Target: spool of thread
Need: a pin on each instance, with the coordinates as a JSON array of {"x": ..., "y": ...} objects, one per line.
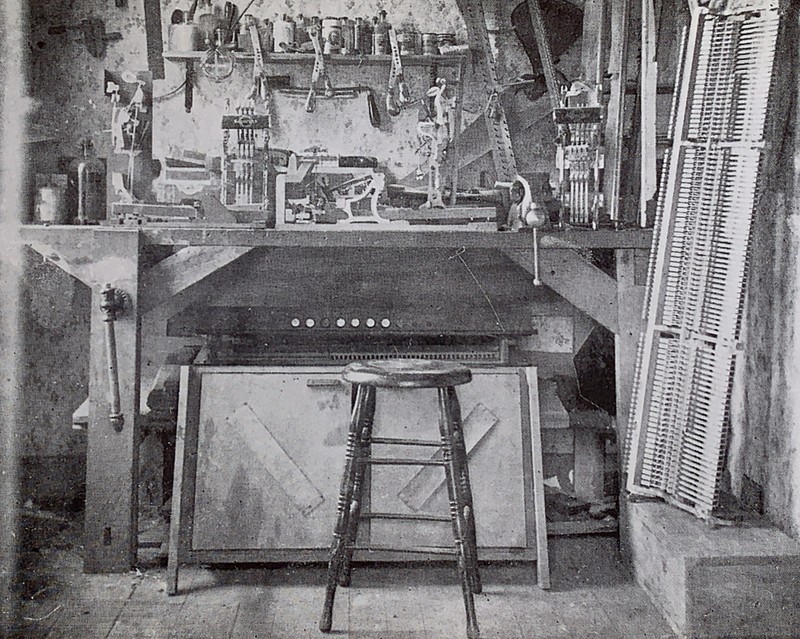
[
  {"x": 332, "y": 35},
  {"x": 283, "y": 35},
  {"x": 430, "y": 44},
  {"x": 185, "y": 37}
]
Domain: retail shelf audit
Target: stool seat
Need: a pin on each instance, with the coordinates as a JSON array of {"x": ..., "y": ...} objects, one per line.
[{"x": 407, "y": 373}]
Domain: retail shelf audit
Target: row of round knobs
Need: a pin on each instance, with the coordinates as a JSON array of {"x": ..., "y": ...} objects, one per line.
[{"x": 340, "y": 322}]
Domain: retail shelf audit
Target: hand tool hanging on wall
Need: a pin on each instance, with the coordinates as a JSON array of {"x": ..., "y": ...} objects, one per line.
[
  {"x": 112, "y": 302},
  {"x": 436, "y": 133},
  {"x": 397, "y": 95},
  {"x": 319, "y": 70},
  {"x": 483, "y": 67}
]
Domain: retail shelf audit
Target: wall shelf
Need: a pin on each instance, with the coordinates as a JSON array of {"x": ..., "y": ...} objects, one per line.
[{"x": 301, "y": 58}]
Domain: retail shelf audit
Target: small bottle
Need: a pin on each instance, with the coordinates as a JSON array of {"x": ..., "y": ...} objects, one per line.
[
  {"x": 364, "y": 36},
  {"x": 348, "y": 35},
  {"x": 86, "y": 187},
  {"x": 380, "y": 35}
]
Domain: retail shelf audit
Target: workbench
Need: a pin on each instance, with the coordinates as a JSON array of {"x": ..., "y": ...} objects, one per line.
[{"x": 164, "y": 269}]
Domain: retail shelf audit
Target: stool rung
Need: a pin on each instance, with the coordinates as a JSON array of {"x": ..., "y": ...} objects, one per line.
[
  {"x": 410, "y": 517},
  {"x": 426, "y": 550},
  {"x": 401, "y": 461},
  {"x": 405, "y": 442}
]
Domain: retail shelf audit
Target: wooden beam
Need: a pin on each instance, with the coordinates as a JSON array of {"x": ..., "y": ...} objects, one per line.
[
  {"x": 630, "y": 302},
  {"x": 576, "y": 280},
  {"x": 618, "y": 72},
  {"x": 79, "y": 251},
  {"x": 110, "y": 524},
  {"x": 183, "y": 270}
]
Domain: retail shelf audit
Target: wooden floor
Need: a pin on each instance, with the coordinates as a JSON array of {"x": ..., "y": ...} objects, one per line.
[{"x": 592, "y": 596}]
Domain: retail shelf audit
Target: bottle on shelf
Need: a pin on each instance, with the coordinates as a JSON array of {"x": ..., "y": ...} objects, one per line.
[
  {"x": 380, "y": 35},
  {"x": 86, "y": 186}
]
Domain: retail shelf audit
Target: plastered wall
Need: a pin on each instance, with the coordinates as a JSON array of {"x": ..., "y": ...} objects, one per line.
[{"x": 66, "y": 83}]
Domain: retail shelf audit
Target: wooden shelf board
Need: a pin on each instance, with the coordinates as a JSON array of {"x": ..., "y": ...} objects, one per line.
[{"x": 358, "y": 60}]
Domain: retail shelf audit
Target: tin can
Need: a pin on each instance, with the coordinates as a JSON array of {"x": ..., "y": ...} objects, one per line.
[
  {"x": 430, "y": 44},
  {"x": 405, "y": 42},
  {"x": 283, "y": 35},
  {"x": 332, "y": 35}
]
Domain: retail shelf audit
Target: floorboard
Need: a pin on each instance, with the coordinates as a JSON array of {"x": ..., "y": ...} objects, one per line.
[{"x": 592, "y": 596}]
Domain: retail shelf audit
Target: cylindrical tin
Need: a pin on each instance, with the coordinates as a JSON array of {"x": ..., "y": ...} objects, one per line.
[
  {"x": 445, "y": 40},
  {"x": 185, "y": 37},
  {"x": 332, "y": 35},
  {"x": 51, "y": 205},
  {"x": 348, "y": 35},
  {"x": 430, "y": 44},
  {"x": 405, "y": 42},
  {"x": 283, "y": 35}
]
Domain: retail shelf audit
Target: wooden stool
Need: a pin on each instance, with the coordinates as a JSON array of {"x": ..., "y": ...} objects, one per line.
[{"x": 444, "y": 376}]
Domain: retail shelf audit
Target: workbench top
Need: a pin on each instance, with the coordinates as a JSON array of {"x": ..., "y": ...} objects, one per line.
[{"x": 372, "y": 236}]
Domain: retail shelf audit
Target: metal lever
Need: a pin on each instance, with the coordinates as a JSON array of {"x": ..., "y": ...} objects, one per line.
[{"x": 112, "y": 303}]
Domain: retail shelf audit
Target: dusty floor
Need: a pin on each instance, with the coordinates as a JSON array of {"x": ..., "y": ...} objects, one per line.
[{"x": 592, "y": 596}]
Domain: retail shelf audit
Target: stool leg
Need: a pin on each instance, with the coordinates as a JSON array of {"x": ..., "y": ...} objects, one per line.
[
  {"x": 456, "y": 509},
  {"x": 343, "y": 508},
  {"x": 362, "y": 454},
  {"x": 460, "y": 456}
]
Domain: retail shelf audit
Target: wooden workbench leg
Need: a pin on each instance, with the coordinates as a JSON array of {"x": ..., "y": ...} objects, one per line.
[
  {"x": 112, "y": 454},
  {"x": 631, "y": 265}
]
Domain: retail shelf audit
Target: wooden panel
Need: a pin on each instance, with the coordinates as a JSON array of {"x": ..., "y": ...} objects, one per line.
[
  {"x": 490, "y": 404},
  {"x": 270, "y": 456},
  {"x": 426, "y": 294}
]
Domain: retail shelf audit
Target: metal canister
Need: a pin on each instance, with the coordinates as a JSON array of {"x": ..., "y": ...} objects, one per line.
[
  {"x": 348, "y": 35},
  {"x": 332, "y": 35},
  {"x": 405, "y": 42},
  {"x": 283, "y": 35},
  {"x": 445, "y": 40},
  {"x": 430, "y": 44}
]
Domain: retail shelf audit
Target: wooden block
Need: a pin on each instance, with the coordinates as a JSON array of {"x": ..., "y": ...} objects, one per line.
[
  {"x": 715, "y": 583},
  {"x": 589, "y": 465}
]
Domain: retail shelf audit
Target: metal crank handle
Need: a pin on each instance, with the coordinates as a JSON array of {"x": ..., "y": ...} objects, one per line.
[{"x": 111, "y": 303}]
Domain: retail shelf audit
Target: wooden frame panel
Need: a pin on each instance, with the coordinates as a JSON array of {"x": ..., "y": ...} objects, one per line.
[{"x": 186, "y": 464}]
